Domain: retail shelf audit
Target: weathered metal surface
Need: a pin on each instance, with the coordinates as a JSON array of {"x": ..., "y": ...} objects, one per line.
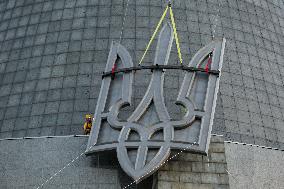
[{"x": 143, "y": 141}]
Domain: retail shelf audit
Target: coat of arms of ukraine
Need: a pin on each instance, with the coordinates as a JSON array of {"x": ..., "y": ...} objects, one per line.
[{"x": 141, "y": 144}]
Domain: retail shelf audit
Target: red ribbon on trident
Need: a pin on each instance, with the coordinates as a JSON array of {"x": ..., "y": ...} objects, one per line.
[
  {"x": 113, "y": 70},
  {"x": 208, "y": 63}
]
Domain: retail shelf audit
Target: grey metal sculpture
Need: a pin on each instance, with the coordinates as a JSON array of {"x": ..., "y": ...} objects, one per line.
[{"x": 143, "y": 142}]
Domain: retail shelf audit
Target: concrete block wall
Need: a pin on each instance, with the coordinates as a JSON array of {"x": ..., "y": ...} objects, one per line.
[{"x": 194, "y": 171}]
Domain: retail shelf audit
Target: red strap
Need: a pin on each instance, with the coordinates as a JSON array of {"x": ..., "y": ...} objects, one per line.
[
  {"x": 208, "y": 63},
  {"x": 113, "y": 69}
]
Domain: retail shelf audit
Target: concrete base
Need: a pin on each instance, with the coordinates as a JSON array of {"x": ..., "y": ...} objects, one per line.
[
  {"x": 29, "y": 163},
  {"x": 60, "y": 162}
]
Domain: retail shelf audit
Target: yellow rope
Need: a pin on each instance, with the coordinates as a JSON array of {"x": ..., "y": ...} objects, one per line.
[
  {"x": 154, "y": 34},
  {"x": 156, "y": 30},
  {"x": 175, "y": 34}
]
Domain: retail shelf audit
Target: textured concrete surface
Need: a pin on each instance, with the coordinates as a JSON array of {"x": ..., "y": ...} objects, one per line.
[
  {"x": 52, "y": 53},
  {"x": 28, "y": 163},
  {"x": 196, "y": 171},
  {"x": 254, "y": 167}
]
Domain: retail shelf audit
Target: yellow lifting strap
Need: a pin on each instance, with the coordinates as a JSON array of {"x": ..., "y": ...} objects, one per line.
[
  {"x": 154, "y": 34},
  {"x": 156, "y": 30},
  {"x": 175, "y": 35}
]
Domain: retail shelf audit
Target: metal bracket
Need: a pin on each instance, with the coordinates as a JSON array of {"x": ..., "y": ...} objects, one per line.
[{"x": 161, "y": 67}]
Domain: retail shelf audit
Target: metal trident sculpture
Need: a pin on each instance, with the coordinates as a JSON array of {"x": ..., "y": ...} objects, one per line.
[{"x": 141, "y": 144}]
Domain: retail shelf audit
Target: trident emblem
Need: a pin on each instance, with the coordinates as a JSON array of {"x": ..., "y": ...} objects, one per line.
[{"x": 145, "y": 139}]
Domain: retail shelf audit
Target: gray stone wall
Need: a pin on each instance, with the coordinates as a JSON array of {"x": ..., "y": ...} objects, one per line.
[
  {"x": 254, "y": 167},
  {"x": 197, "y": 171},
  {"x": 52, "y": 53},
  {"x": 59, "y": 162},
  {"x": 29, "y": 163}
]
